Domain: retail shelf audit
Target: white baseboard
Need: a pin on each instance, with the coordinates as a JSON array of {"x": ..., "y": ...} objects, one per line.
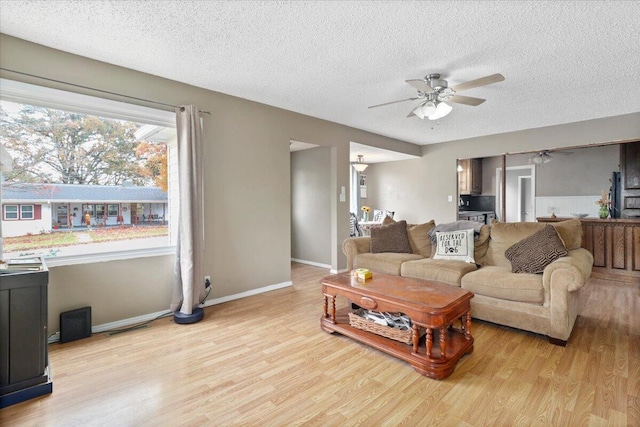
[
  {"x": 313, "y": 263},
  {"x": 332, "y": 271},
  {"x": 245, "y": 294},
  {"x": 152, "y": 316}
]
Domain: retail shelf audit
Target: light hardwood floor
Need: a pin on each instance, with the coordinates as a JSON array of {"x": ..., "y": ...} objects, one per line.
[{"x": 263, "y": 360}]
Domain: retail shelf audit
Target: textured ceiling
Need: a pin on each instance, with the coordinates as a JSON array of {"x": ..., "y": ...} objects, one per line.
[{"x": 563, "y": 61}]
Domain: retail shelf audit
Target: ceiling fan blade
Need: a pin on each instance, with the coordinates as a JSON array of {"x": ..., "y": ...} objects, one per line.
[
  {"x": 411, "y": 115},
  {"x": 466, "y": 100},
  {"x": 394, "y": 102},
  {"x": 483, "y": 81},
  {"x": 421, "y": 85}
]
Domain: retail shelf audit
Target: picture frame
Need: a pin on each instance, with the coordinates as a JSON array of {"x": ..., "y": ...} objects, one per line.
[{"x": 363, "y": 186}]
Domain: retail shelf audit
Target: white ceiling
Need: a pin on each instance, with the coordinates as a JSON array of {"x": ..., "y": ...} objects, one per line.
[{"x": 563, "y": 61}]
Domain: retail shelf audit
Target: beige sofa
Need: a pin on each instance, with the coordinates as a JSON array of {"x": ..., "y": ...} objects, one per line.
[{"x": 546, "y": 303}]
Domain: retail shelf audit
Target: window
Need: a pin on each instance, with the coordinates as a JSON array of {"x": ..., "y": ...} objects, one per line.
[
  {"x": 99, "y": 211},
  {"x": 26, "y": 211},
  {"x": 119, "y": 162},
  {"x": 10, "y": 212},
  {"x": 113, "y": 210}
]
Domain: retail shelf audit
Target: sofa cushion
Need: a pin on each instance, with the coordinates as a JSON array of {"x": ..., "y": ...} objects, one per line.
[
  {"x": 390, "y": 238},
  {"x": 438, "y": 270},
  {"x": 532, "y": 254},
  {"x": 385, "y": 262},
  {"x": 419, "y": 239},
  {"x": 503, "y": 236},
  {"x": 481, "y": 244},
  {"x": 454, "y": 245},
  {"x": 570, "y": 232},
  {"x": 500, "y": 282}
]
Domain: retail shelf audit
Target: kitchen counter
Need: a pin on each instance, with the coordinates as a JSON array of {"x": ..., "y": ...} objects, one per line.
[
  {"x": 484, "y": 217},
  {"x": 474, "y": 212}
]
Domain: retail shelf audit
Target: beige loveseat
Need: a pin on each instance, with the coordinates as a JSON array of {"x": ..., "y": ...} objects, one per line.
[{"x": 546, "y": 303}]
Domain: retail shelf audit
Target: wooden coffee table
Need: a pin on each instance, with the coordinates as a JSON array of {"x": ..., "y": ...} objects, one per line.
[{"x": 443, "y": 310}]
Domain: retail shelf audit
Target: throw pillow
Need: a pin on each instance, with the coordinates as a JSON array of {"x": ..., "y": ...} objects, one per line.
[
  {"x": 390, "y": 238},
  {"x": 454, "y": 245},
  {"x": 418, "y": 235},
  {"x": 419, "y": 238},
  {"x": 532, "y": 254}
]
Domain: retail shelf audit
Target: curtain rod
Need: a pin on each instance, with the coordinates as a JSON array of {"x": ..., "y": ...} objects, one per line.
[{"x": 94, "y": 89}]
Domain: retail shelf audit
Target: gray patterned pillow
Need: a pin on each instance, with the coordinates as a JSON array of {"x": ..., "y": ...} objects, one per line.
[
  {"x": 532, "y": 254},
  {"x": 390, "y": 238}
]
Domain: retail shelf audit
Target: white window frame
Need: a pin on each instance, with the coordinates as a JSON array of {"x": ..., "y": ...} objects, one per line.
[
  {"x": 25, "y": 93},
  {"x": 17, "y": 213},
  {"x": 22, "y": 213}
]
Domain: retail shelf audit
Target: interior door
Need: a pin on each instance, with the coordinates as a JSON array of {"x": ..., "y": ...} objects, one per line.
[
  {"x": 513, "y": 195},
  {"x": 526, "y": 208}
]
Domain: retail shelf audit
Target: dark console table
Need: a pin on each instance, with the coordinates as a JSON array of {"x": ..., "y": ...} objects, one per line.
[{"x": 24, "y": 370}]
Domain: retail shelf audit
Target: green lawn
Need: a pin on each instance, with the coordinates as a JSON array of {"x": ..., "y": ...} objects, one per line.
[{"x": 68, "y": 238}]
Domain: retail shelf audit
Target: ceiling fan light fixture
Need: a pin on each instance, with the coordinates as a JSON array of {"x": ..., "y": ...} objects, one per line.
[
  {"x": 542, "y": 157},
  {"x": 360, "y": 165},
  {"x": 418, "y": 111},
  {"x": 441, "y": 110},
  {"x": 425, "y": 109}
]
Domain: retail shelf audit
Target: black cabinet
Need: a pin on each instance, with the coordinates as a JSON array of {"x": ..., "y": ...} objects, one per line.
[{"x": 24, "y": 369}]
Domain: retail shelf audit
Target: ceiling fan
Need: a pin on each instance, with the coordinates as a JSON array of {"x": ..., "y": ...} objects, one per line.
[
  {"x": 545, "y": 156},
  {"x": 434, "y": 91}
]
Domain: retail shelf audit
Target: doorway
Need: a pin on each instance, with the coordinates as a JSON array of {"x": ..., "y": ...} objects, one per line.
[{"x": 520, "y": 194}]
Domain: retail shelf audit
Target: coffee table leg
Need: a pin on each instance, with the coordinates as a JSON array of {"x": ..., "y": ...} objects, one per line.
[
  {"x": 416, "y": 337},
  {"x": 325, "y": 306},
  {"x": 443, "y": 342},
  {"x": 429, "y": 341},
  {"x": 333, "y": 308},
  {"x": 467, "y": 330}
]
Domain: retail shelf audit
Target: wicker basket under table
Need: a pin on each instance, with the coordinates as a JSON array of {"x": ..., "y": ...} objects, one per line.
[{"x": 404, "y": 336}]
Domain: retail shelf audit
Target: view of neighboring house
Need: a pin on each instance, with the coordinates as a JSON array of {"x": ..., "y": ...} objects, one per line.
[{"x": 37, "y": 208}]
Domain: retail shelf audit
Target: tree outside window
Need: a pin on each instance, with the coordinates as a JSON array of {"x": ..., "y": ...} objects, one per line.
[{"x": 51, "y": 146}]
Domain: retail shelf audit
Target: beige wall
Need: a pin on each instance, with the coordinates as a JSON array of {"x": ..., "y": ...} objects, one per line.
[
  {"x": 311, "y": 205},
  {"x": 572, "y": 172},
  {"x": 247, "y": 186},
  {"x": 418, "y": 189}
]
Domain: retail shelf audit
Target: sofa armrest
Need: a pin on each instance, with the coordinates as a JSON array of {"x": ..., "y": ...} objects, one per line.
[
  {"x": 354, "y": 246},
  {"x": 572, "y": 271}
]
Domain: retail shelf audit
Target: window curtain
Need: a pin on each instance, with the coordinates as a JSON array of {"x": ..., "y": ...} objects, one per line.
[{"x": 189, "y": 285}]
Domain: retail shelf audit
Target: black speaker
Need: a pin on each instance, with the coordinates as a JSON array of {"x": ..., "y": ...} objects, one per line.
[{"x": 75, "y": 324}]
